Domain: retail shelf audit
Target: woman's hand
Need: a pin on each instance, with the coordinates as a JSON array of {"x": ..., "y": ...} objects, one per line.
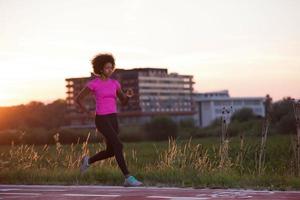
[
  {"x": 124, "y": 97},
  {"x": 129, "y": 93}
]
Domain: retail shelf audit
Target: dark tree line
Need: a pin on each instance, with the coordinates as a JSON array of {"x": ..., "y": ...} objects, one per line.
[
  {"x": 34, "y": 115},
  {"x": 36, "y": 123},
  {"x": 281, "y": 114}
]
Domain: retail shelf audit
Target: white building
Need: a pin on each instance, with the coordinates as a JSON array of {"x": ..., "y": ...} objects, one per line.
[{"x": 209, "y": 106}]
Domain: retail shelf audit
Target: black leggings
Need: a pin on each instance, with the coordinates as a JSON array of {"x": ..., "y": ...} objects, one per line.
[{"x": 108, "y": 126}]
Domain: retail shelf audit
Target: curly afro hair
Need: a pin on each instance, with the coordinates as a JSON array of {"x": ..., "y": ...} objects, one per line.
[{"x": 100, "y": 60}]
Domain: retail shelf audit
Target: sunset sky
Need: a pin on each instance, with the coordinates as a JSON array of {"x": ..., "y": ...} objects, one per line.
[{"x": 249, "y": 47}]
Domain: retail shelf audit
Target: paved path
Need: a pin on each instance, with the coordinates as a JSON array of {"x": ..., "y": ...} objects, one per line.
[{"x": 149, "y": 193}]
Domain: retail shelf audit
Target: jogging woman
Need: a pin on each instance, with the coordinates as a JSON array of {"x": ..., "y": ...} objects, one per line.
[{"x": 105, "y": 91}]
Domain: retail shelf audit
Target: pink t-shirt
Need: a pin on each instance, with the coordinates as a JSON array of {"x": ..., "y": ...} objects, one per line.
[{"x": 105, "y": 93}]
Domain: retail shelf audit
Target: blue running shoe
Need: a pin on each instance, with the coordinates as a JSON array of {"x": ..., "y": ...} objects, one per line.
[
  {"x": 131, "y": 181},
  {"x": 84, "y": 164}
]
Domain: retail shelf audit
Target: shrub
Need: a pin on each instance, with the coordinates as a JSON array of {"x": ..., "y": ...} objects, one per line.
[
  {"x": 242, "y": 115},
  {"x": 161, "y": 128}
]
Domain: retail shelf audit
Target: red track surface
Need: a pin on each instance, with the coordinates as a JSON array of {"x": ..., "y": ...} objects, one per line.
[{"x": 112, "y": 193}]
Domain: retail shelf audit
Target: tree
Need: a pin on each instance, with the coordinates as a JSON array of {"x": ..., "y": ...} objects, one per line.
[
  {"x": 282, "y": 116},
  {"x": 55, "y": 114}
]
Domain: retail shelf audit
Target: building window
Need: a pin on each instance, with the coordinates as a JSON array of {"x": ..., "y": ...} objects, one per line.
[
  {"x": 218, "y": 111},
  {"x": 222, "y": 103},
  {"x": 252, "y": 102},
  {"x": 257, "y": 110},
  {"x": 237, "y": 102}
]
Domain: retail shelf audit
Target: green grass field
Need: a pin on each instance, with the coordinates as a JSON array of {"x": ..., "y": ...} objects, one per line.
[{"x": 182, "y": 163}]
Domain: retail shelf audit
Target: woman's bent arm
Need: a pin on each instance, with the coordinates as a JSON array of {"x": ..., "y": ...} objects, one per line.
[{"x": 78, "y": 99}]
